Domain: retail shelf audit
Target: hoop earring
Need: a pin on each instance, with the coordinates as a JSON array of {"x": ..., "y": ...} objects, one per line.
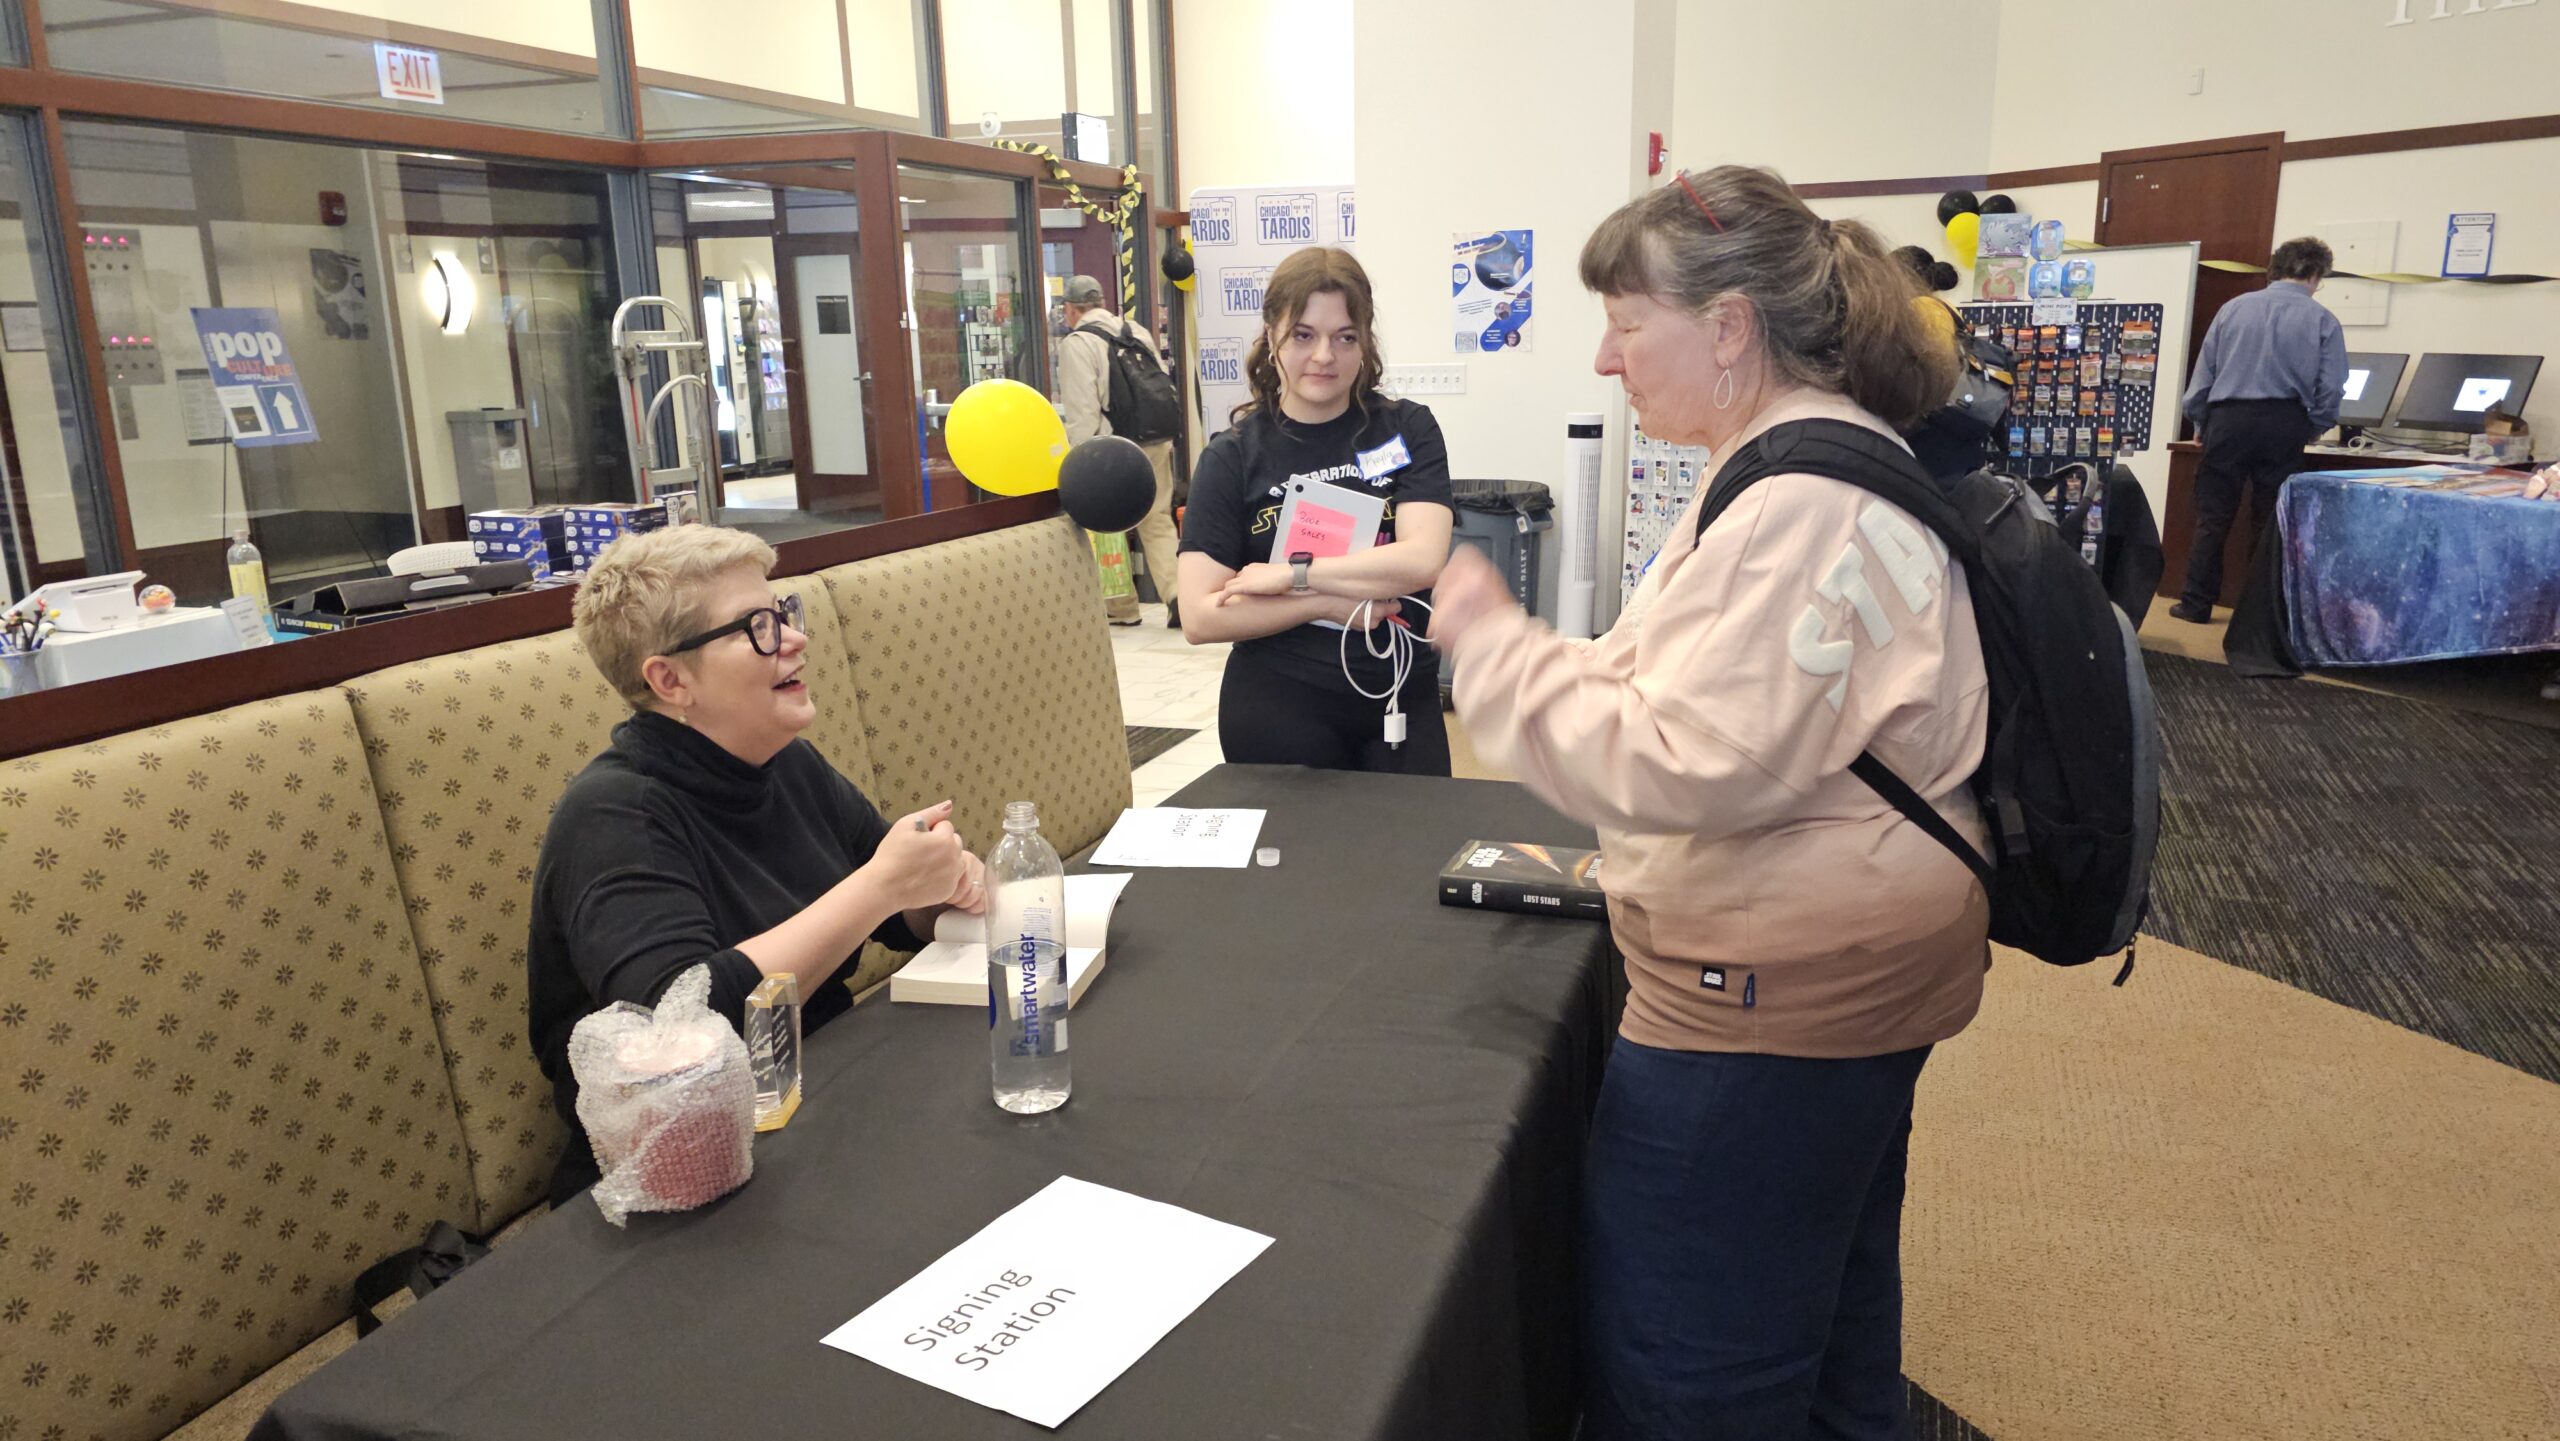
[{"x": 1724, "y": 391}]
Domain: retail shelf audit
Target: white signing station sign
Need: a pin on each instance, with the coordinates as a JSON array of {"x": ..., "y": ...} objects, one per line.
[{"x": 1038, "y": 1312}]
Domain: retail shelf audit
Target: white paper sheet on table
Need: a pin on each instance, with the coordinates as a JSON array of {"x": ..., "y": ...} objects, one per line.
[
  {"x": 1177, "y": 836},
  {"x": 1102, "y": 1276}
]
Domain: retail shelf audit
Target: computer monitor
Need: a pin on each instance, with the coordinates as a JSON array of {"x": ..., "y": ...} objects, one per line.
[
  {"x": 2456, "y": 392},
  {"x": 2373, "y": 378}
]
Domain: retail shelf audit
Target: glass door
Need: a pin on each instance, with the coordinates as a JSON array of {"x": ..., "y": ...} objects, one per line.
[
  {"x": 971, "y": 314},
  {"x": 773, "y": 257}
]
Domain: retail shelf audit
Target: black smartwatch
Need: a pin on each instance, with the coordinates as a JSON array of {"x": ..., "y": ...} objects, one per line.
[{"x": 1298, "y": 563}]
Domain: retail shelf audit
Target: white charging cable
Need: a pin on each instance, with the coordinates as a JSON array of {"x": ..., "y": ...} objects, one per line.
[{"x": 1398, "y": 651}]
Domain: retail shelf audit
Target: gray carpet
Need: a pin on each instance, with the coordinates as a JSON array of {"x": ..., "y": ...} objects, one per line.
[
  {"x": 1932, "y": 1421},
  {"x": 1148, "y": 742},
  {"x": 2386, "y": 854}
]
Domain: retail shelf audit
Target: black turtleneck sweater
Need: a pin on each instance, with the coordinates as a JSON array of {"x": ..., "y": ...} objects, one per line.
[{"x": 664, "y": 854}]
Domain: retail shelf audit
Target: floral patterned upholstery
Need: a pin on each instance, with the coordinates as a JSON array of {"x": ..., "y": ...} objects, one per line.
[
  {"x": 985, "y": 674},
  {"x": 262, "y": 1014},
  {"x": 224, "y": 1093},
  {"x": 470, "y": 752}
]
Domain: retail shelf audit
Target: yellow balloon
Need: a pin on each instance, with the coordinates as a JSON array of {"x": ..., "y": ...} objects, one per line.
[
  {"x": 1964, "y": 238},
  {"x": 1006, "y": 437}
]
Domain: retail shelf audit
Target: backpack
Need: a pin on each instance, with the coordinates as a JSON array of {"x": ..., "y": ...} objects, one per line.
[
  {"x": 1985, "y": 372},
  {"x": 1143, "y": 406},
  {"x": 2070, "y": 776}
]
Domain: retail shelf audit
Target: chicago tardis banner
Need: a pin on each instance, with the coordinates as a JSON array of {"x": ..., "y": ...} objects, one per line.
[{"x": 1237, "y": 237}]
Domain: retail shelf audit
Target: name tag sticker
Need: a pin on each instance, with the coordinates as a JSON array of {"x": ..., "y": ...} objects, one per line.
[{"x": 1388, "y": 457}]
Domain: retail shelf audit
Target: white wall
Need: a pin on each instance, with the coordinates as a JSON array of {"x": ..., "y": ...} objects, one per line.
[
  {"x": 2335, "y": 68},
  {"x": 2419, "y": 188},
  {"x": 1828, "y": 90},
  {"x": 1263, "y": 91},
  {"x": 1557, "y": 172}
]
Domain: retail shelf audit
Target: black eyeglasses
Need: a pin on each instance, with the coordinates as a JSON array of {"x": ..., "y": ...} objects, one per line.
[{"x": 763, "y": 626}]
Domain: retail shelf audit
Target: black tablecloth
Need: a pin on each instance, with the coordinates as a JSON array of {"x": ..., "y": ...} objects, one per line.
[{"x": 1395, "y": 1090}]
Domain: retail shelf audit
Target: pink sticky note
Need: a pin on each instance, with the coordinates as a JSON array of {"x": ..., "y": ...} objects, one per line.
[{"x": 1318, "y": 530}]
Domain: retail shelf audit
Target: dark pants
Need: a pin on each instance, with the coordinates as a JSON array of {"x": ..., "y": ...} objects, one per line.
[
  {"x": 1271, "y": 715},
  {"x": 2250, "y": 446},
  {"x": 1743, "y": 1245}
]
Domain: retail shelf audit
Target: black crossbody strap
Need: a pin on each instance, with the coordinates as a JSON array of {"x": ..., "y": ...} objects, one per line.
[{"x": 1922, "y": 814}]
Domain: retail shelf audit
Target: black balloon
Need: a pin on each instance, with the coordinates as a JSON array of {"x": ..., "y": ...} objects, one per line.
[
  {"x": 1955, "y": 203},
  {"x": 1177, "y": 265},
  {"x": 1999, "y": 205},
  {"x": 1107, "y": 484}
]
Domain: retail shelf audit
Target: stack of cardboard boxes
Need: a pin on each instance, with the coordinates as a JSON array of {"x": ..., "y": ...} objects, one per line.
[
  {"x": 537, "y": 536},
  {"x": 593, "y": 527},
  {"x": 556, "y": 540}
]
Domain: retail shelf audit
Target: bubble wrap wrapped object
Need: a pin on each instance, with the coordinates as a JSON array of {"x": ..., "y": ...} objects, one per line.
[{"x": 668, "y": 1099}]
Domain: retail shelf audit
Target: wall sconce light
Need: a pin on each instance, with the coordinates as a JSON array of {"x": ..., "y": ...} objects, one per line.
[{"x": 446, "y": 286}]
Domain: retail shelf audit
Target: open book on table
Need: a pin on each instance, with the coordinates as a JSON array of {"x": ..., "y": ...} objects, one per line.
[{"x": 952, "y": 971}]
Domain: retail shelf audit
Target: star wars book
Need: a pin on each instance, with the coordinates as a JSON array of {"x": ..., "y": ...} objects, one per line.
[{"x": 1518, "y": 876}]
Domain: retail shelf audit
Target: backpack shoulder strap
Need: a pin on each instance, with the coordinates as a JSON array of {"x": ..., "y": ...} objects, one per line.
[
  {"x": 1119, "y": 339},
  {"x": 1838, "y": 450}
]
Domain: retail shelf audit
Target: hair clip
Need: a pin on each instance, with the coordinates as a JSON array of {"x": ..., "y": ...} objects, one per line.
[{"x": 1703, "y": 208}]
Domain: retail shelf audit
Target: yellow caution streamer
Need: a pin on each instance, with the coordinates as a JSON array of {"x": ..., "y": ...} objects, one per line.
[
  {"x": 1121, "y": 215},
  {"x": 2386, "y": 277}
]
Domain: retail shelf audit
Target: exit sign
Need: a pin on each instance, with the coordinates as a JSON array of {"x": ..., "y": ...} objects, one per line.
[{"x": 408, "y": 74}]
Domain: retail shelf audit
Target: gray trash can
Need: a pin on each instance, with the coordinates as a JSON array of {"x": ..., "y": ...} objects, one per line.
[{"x": 1507, "y": 520}]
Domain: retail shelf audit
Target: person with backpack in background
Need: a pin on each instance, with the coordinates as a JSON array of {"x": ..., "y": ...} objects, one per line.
[
  {"x": 1794, "y": 944},
  {"x": 1112, "y": 381}
]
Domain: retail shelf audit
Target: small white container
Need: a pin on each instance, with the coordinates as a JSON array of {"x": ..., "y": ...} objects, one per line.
[{"x": 98, "y": 602}]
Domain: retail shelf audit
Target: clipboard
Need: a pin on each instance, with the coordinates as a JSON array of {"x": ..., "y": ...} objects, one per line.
[{"x": 1326, "y": 520}]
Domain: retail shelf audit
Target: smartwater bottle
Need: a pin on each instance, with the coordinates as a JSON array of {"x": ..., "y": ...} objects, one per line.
[{"x": 1027, "y": 966}]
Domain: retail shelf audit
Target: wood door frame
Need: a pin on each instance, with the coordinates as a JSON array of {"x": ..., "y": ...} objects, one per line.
[
  {"x": 820, "y": 492},
  {"x": 2269, "y": 146},
  {"x": 2270, "y": 143}
]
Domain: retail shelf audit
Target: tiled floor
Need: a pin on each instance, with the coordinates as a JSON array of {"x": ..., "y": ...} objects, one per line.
[{"x": 1167, "y": 681}]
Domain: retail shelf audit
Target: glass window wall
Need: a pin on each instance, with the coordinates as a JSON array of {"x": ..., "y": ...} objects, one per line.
[
  {"x": 1017, "y": 68},
  {"x": 446, "y": 317},
  {"x": 772, "y": 276},
  {"x": 526, "y": 63},
  {"x": 971, "y": 312},
  {"x": 55, "y": 515},
  {"x": 745, "y": 66}
]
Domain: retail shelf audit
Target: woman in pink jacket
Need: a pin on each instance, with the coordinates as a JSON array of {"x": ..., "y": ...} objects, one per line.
[{"x": 1794, "y": 946}]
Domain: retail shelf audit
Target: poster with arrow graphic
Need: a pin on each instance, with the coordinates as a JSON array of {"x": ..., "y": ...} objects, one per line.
[{"x": 253, "y": 377}]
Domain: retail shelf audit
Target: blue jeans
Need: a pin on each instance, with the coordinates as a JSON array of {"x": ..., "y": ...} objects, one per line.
[{"x": 1743, "y": 1240}]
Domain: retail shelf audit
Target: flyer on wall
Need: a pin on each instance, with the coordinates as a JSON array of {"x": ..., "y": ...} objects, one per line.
[{"x": 1489, "y": 280}]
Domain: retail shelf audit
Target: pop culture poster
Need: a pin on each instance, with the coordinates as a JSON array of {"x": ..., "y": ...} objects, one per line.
[
  {"x": 1489, "y": 282},
  {"x": 1237, "y": 237}
]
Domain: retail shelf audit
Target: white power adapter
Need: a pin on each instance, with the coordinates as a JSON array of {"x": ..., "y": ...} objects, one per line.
[{"x": 1398, "y": 648}]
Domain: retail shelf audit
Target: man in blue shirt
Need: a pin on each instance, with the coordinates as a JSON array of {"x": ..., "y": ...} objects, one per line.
[{"x": 2270, "y": 376}]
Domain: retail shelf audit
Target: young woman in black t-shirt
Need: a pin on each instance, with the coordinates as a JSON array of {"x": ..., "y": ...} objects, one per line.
[{"x": 1317, "y": 415}]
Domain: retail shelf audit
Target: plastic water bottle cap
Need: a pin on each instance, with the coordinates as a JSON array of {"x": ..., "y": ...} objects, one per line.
[{"x": 1267, "y": 856}]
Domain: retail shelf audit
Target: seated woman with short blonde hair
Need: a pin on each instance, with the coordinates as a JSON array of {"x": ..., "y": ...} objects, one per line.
[{"x": 707, "y": 833}]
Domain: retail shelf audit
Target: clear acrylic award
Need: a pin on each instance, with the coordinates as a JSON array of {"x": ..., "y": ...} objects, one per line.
[{"x": 773, "y": 1049}]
